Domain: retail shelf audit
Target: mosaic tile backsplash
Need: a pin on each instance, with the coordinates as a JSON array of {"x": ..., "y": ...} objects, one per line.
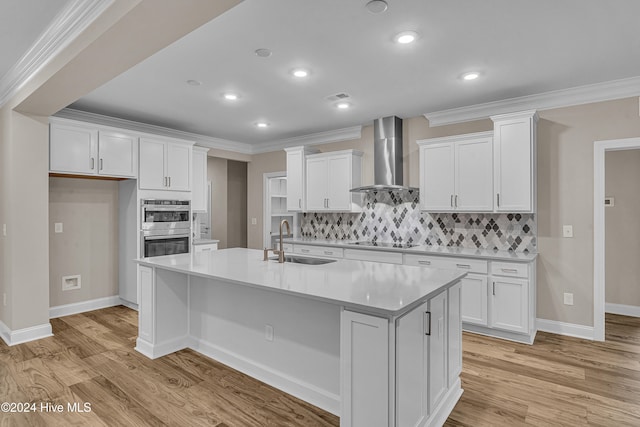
[{"x": 396, "y": 217}]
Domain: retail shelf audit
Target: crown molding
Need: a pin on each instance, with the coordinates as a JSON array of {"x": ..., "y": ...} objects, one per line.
[
  {"x": 607, "y": 91},
  {"x": 344, "y": 134},
  {"x": 201, "y": 140},
  {"x": 72, "y": 20}
]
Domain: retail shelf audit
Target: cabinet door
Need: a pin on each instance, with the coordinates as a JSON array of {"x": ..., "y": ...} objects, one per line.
[
  {"x": 474, "y": 175},
  {"x": 411, "y": 375},
  {"x": 437, "y": 177},
  {"x": 199, "y": 184},
  {"x": 509, "y": 304},
  {"x": 437, "y": 351},
  {"x": 454, "y": 326},
  {"x": 339, "y": 183},
  {"x": 364, "y": 370},
  {"x": 179, "y": 166},
  {"x": 117, "y": 154},
  {"x": 151, "y": 171},
  {"x": 295, "y": 181},
  {"x": 474, "y": 299},
  {"x": 513, "y": 165},
  {"x": 72, "y": 149},
  {"x": 316, "y": 184}
]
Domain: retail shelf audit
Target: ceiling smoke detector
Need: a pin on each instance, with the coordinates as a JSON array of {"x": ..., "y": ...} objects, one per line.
[
  {"x": 338, "y": 96},
  {"x": 263, "y": 52},
  {"x": 377, "y": 6}
]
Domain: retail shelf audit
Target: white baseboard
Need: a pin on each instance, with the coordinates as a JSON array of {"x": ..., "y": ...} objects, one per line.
[
  {"x": 24, "y": 335},
  {"x": 446, "y": 405},
  {"x": 84, "y": 306},
  {"x": 624, "y": 310},
  {"x": 321, "y": 398},
  {"x": 162, "y": 349},
  {"x": 129, "y": 304},
  {"x": 568, "y": 329}
]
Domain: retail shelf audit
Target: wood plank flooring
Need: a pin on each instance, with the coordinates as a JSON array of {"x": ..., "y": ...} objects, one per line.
[{"x": 557, "y": 381}]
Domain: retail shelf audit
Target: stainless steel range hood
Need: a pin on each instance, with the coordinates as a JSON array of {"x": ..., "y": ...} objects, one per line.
[{"x": 387, "y": 156}]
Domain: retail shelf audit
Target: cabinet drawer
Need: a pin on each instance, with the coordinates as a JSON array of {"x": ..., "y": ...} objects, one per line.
[
  {"x": 375, "y": 256},
  {"x": 449, "y": 263},
  {"x": 425, "y": 261},
  {"x": 205, "y": 248},
  {"x": 318, "y": 251},
  {"x": 509, "y": 269},
  {"x": 286, "y": 247}
]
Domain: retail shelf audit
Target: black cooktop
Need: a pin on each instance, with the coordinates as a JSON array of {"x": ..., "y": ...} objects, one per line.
[{"x": 385, "y": 244}]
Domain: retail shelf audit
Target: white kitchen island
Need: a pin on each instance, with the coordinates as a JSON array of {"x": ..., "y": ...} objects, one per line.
[{"x": 377, "y": 344}]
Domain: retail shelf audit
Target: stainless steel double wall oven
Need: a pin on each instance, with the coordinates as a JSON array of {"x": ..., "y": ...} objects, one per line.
[{"x": 165, "y": 227}]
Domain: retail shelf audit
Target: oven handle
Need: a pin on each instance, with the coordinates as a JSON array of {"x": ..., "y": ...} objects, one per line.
[
  {"x": 165, "y": 236},
  {"x": 165, "y": 208}
]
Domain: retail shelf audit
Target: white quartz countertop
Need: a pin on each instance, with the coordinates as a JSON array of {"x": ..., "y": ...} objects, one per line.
[
  {"x": 488, "y": 254},
  {"x": 386, "y": 289},
  {"x": 204, "y": 241}
]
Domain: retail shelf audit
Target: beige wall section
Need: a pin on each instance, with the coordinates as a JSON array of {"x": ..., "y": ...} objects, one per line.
[
  {"x": 622, "y": 231},
  {"x": 565, "y": 196},
  {"x": 217, "y": 174},
  {"x": 5, "y": 173},
  {"x": 236, "y": 204},
  {"x": 260, "y": 164},
  {"x": 88, "y": 245}
]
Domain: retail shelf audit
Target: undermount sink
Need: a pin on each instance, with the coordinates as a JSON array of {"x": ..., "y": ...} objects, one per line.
[{"x": 304, "y": 260}]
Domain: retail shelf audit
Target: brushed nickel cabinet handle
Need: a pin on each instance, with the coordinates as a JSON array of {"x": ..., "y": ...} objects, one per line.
[
  {"x": 509, "y": 270},
  {"x": 451, "y": 201},
  {"x": 424, "y": 262},
  {"x": 498, "y": 197},
  {"x": 101, "y": 164},
  {"x": 304, "y": 250},
  {"x": 93, "y": 163},
  {"x": 494, "y": 288},
  {"x": 328, "y": 252},
  {"x": 463, "y": 266},
  {"x": 456, "y": 201}
]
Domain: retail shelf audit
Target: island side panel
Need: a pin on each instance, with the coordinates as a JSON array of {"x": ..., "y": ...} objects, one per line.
[{"x": 229, "y": 323}]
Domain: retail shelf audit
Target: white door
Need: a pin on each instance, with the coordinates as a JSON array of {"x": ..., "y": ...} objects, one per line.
[
  {"x": 339, "y": 183},
  {"x": 117, "y": 154},
  {"x": 73, "y": 149},
  {"x": 179, "y": 166},
  {"x": 509, "y": 304},
  {"x": 151, "y": 174},
  {"x": 437, "y": 187},
  {"x": 513, "y": 164},
  {"x": 474, "y": 175},
  {"x": 295, "y": 181},
  {"x": 437, "y": 350},
  {"x": 411, "y": 403},
  {"x": 474, "y": 299},
  {"x": 316, "y": 184}
]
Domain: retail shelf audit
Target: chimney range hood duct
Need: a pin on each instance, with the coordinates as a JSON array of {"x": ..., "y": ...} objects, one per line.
[{"x": 387, "y": 156}]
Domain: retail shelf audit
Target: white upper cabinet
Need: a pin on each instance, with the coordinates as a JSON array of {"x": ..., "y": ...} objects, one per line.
[
  {"x": 199, "y": 180},
  {"x": 515, "y": 161},
  {"x": 296, "y": 178},
  {"x": 330, "y": 177},
  {"x": 165, "y": 164},
  {"x": 456, "y": 173},
  {"x": 85, "y": 149}
]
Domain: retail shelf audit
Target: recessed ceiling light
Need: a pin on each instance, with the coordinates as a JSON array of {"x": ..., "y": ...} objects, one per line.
[
  {"x": 471, "y": 75},
  {"x": 406, "y": 37},
  {"x": 230, "y": 96},
  {"x": 343, "y": 105},
  {"x": 300, "y": 72},
  {"x": 376, "y": 6},
  {"x": 194, "y": 82},
  {"x": 262, "y": 125},
  {"x": 263, "y": 52}
]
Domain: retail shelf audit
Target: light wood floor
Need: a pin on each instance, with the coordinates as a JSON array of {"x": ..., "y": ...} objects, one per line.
[{"x": 557, "y": 381}]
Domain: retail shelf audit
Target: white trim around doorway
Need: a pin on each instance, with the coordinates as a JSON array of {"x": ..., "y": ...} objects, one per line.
[{"x": 599, "y": 150}]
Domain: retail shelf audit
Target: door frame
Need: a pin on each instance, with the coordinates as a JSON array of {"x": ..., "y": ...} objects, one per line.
[{"x": 599, "y": 150}]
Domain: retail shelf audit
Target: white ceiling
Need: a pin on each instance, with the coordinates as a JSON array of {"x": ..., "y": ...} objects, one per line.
[
  {"x": 21, "y": 24},
  {"x": 520, "y": 47}
]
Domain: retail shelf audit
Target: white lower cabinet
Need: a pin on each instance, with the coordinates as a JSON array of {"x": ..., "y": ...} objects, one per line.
[
  {"x": 474, "y": 300},
  {"x": 426, "y": 363},
  {"x": 510, "y": 304},
  {"x": 205, "y": 248}
]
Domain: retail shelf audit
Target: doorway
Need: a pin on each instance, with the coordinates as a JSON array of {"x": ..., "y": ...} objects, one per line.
[{"x": 599, "y": 224}]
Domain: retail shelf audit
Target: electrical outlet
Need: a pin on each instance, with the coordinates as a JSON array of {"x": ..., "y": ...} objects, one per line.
[
  {"x": 4, "y": 229},
  {"x": 567, "y": 231},
  {"x": 70, "y": 283},
  {"x": 58, "y": 227},
  {"x": 568, "y": 298},
  {"x": 268, "y": 332},
  {"x": 254, "y": 221}
]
